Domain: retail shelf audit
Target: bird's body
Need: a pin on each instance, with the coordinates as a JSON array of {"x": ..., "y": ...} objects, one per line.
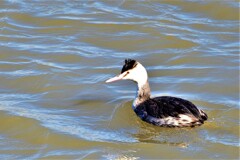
[
  {"x": 162, "y": 111},
  {"x": 170, "y": 112}
]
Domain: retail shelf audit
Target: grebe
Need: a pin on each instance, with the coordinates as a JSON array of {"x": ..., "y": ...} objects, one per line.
[{"x": 162, "y": 111}]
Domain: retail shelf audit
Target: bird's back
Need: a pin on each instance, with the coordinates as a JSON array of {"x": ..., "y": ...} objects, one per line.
[{"x": 170, "y": 112}]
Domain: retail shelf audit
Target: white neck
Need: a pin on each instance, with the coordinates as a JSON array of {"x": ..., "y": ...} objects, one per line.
[
  {"x": 143, "y": 89},
  {"x": 143, "y": 94}
]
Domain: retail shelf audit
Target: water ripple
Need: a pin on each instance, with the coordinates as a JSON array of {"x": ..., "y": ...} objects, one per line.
[{"x": 56, "y": 53}]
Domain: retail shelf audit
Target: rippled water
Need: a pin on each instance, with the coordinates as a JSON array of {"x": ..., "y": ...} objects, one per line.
[{"x": 56, "y": 55}]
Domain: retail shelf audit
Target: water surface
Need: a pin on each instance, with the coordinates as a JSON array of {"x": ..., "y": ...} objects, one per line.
[{"x": 56, "y": 55}]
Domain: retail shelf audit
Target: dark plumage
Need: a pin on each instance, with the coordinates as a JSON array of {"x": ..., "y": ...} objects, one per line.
[
  {"x": 166, "y": 106},
  {"x": 129, "y": 64}
]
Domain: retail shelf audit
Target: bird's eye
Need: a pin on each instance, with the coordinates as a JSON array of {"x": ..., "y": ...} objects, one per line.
[{"x": 126, "y": 74}]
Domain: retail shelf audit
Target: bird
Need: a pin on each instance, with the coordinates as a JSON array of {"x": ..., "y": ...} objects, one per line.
[{"x": 163, "y": 111}]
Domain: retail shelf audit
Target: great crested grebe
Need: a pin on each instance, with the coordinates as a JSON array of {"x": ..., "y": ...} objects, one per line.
[{"x": 162, "y": 111}]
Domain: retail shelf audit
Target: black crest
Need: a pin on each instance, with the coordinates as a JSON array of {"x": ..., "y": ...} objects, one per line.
[{"x": 129, "y": 64}]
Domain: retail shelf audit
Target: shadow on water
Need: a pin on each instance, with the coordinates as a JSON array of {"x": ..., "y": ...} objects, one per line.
[
  {"x": 180, "y": 137},
  {"x": 124, "y": 118}
]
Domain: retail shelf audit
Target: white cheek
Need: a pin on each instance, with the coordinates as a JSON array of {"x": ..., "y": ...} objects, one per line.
[
  {"x": 137, "y": 74},
  {"x": 139, "y": 77}
]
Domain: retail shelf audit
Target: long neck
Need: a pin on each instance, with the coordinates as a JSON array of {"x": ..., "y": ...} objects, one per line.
[{"x": 143, "y": 94}]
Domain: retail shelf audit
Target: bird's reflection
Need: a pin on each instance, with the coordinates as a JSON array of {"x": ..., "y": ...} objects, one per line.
[{"x": 160, "y": 135}]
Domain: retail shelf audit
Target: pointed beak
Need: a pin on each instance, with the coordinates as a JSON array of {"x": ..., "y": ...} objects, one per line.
[
  {"x": 114, "y": 79},
  {"x": 117, "y": 78}
]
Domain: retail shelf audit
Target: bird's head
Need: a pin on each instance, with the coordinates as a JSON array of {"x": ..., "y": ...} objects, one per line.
[{"x": 131, "y": 70}]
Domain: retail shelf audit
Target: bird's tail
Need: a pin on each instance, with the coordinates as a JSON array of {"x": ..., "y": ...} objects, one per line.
[{"x": 204, "y": 116}]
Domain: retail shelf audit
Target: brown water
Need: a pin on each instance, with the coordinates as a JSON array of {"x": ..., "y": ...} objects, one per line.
[{"x": 56, "y": 55}]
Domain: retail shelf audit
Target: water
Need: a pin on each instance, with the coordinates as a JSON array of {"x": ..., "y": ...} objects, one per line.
[{"x": 56, "y": 55}]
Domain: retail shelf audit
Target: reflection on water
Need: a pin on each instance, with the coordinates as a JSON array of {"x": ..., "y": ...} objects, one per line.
[{"x": 56, "y": 55}]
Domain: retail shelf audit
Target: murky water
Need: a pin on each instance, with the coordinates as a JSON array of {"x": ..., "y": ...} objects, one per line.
[{"x": 56, "y": 55}]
